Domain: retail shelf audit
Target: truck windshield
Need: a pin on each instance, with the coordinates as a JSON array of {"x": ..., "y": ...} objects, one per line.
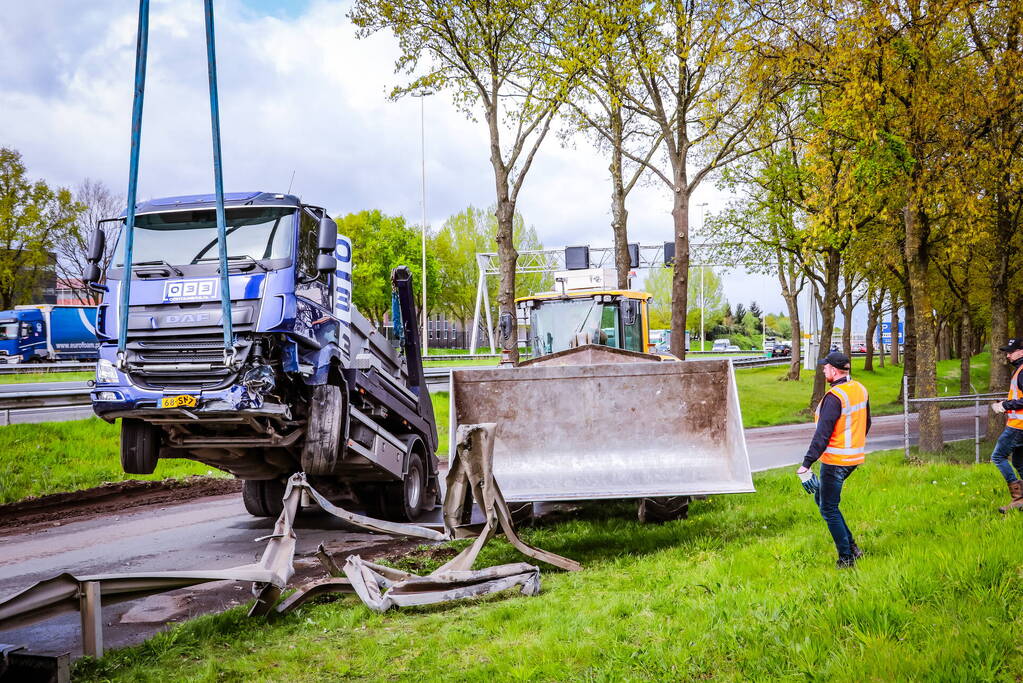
[
  {"x": 8, "y": 330},
  {"x": 188, "y": 237},
  {"x": 557, "y": 324}
]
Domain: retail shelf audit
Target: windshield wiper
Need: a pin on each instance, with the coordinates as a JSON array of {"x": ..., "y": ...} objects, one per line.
[
  {"x": 242, "y": 257},
  {"x": 169, "y": 267}
]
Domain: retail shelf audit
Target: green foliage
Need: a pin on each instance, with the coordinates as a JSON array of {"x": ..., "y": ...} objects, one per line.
[
  {"x": 455, "y": 246},
  {"x": 658, "y": 284},
  {"x": 33, "y": 217},
  {"x": 743, "y": 590},
  {"x": 379, "y": 244},
  {"x": 36, "y": 459}
]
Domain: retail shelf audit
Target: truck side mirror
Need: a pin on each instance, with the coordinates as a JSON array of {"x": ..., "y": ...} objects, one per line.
[
  {"x": 326, "y": 263},
  {"x": 96, "y": 246},
  {"x": 327, "y": 235},
  {"x": 92, "y": 274}
]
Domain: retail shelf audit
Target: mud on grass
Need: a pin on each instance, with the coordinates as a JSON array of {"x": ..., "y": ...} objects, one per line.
[
  {"x": 745, "y": 589},
  {"x": 53, "y": 457}
]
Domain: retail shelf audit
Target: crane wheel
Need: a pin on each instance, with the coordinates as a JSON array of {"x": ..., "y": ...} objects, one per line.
[{"x": 666, "y": 509}]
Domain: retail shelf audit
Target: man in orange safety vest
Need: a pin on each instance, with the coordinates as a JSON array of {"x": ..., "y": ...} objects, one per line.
[
  {"x": 1010, "y": 443},
  {"x": 843, "y": 420}
]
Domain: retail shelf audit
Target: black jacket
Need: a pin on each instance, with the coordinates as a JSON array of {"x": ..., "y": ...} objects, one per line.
[
  {"x": 1015, "y": 405},
  {"x": 831, "y": 410}
]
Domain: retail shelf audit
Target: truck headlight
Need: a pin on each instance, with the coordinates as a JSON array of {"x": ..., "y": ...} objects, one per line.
[{"x": 106, "y": 373}]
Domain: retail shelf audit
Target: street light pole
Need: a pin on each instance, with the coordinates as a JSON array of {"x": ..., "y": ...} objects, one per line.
[
  {"x": 703, "y": 307},
  {"x": 422, "y": 94}
]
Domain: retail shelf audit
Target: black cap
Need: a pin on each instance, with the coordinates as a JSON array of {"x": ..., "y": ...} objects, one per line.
[
  {"x": 1013, "y": 345},
  {"x": 836, "y": 359}
]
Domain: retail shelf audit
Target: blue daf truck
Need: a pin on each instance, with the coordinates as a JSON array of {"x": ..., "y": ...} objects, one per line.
[
  {"x": 307, "y": 384},
  {"x": 36, "y": 334}
]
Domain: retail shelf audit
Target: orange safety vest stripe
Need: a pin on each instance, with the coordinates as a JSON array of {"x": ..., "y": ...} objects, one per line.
[
  {"x": 848, "y": 442},
  {"x": 1014, "y": 417}
]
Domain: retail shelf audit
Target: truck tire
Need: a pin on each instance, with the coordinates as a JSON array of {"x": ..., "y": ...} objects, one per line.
[
  {"x": 140, "y": 446},
  {"x": 660, "y": 510},
  {"x": 404, "y": 499},
  {"x": 263, "y": 497},
  {"x": 325, "y": 431}
]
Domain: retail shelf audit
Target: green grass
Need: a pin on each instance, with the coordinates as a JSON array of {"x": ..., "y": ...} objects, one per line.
[
  {"x": 745, "y": 589},
  {"x": 51, "y": 457},
  {"x": 460, "y": 363},
  {"x": 768, "y": 400},
  {"x": 47, "y": 377}
]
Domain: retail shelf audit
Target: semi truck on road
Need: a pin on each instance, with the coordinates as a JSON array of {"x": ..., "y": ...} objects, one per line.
[
  {"x": 37, "y": 334},
  {"x": 307, "y": 383}
]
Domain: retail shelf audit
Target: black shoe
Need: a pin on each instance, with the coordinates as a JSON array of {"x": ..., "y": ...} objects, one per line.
[
  {"x": 846, "y": 562},
  {"x": 856, "y": 552}
]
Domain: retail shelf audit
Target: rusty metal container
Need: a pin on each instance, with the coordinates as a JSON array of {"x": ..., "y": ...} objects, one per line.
[{"x": 596, "y": 423}]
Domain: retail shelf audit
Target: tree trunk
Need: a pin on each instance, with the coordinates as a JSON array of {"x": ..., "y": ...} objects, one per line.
[
  {"x": 965, "y": 350},
  {"x": 619, "y": 215},
  {"x": 847, "y": 316},
  {"x": 832, "y": 274},
  {"x": 873, "y": 312},
  {"x": 680, "y": 278},
  {"x": 893, "y": 351},
  {"x": 917, "y": 261},
  {"x": 999, "y": 335},
  {"x": 790, "y": 293},
  {"x": 909, "y": 348}
]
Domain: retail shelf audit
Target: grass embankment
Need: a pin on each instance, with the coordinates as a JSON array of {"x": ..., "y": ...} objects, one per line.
[
  {"x": 36, "y": 459},
  {"x": 745, "y": 589},
  {"x": 767, "y": 400},
  {"x": 53, "y": 457},
  {"x": 29, "y": 378}
]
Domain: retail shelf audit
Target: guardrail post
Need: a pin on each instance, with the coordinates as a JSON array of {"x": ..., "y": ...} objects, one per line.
[
  {"x": 905, "y": 415},
  {"x": 976, "y": 432},
  {"x": 5, "y": 420},
  {"x": 92, "y": 618}
]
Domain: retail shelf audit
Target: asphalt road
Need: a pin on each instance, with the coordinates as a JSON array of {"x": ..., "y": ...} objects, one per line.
[{"x": 216, "y": 533}]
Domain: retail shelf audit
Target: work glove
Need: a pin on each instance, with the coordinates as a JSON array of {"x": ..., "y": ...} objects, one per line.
[
  {"x": 998, "y": 407},
  {"x": 811, "y": 484}
]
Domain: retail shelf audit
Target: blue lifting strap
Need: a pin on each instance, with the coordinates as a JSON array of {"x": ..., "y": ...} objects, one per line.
[{"x": 141, "y": 52}]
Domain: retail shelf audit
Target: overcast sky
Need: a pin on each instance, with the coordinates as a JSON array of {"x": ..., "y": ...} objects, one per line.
[{"x": 298, "y": 94}]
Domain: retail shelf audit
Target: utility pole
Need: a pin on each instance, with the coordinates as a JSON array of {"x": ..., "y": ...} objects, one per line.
[
  {"x": 703, "y": 300},
  {"x": 422, "y": 94}
]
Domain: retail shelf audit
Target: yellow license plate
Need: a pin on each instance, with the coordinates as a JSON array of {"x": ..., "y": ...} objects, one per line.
[{"x": 178, "y": 402}]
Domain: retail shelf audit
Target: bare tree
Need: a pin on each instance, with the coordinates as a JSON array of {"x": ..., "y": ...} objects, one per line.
[{"x": 72, "y": 247}]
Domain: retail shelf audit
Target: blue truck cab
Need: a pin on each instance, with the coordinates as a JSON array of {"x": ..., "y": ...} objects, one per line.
[
  {"x": 36, "y": 334},
  {"x": 307, "y": 384}
]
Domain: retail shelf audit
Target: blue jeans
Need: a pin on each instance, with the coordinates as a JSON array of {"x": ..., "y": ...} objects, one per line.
[
  {"x": 828, "y": 498},
  {"x": 1009, "y": 447}
]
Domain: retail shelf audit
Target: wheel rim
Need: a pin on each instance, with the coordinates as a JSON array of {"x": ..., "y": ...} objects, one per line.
[{"x": 413, "y": 489}]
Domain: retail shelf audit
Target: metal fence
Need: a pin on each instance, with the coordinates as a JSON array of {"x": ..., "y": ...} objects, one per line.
[{"x": 975, "y": 399}]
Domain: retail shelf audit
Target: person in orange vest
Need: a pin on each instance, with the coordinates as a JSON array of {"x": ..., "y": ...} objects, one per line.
[
  {"x": 843, "y": 420},
  {"x": 1010, "y": 443}
]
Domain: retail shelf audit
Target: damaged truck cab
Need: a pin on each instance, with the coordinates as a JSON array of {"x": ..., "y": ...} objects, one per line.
[{"x": 307, "y": 383}]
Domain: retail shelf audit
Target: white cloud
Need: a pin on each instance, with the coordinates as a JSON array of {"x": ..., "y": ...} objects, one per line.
[{"x": 300, "y": 94}]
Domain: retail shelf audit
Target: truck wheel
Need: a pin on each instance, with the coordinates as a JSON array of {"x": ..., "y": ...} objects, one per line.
[
  {"x": 324, "y": 431},
  {"x": 140, "y": 446},
  {"x": 263, "y": 497},
  {"x": 404, "y": 499},
  {"x": 667, "y": 509}
]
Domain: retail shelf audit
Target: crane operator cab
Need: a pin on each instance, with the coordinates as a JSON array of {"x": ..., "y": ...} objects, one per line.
[{"x": 614, "y": 318}]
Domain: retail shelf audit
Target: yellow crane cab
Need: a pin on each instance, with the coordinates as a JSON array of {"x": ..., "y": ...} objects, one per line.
[{"x": 608, "y": 317}]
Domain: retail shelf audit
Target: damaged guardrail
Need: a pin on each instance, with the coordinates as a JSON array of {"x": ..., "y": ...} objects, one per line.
[{"x": 470, "y": 476}]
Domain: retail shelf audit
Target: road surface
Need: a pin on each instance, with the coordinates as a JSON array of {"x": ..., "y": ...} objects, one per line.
[{"x": 216, "y": 533}]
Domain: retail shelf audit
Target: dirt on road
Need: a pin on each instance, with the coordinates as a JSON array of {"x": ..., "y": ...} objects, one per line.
[{"x": 57, "y": 508}]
